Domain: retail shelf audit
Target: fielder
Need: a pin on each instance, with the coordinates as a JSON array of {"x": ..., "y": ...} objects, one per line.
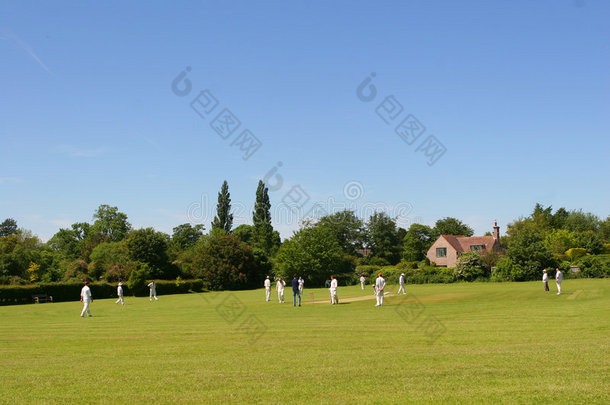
[
  {"x": 334, "y": 299},
  {"x": 362, "y": 280},
  {"x": 268, "y": 289},
  {"x": 545, "y": 280},
  {"x": 558, "y": 279},
  {"x": 85, "y": 298},
  {"x": 280, "y": 290},
  {"x": 401, "y": 282},
  {"x": 119, "y": 292},
  {"x": 153, "y": 290},
  {"x": 301, "y": 285},
  {"x": 380, "y": 284}
]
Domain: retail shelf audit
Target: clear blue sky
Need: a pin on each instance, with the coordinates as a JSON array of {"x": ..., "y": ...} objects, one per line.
[{"x": 518, "y": 92}]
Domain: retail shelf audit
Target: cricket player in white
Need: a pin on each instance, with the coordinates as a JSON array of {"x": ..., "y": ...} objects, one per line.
[
  {"x": 362, "y": 280},
  {"x": 558, "y": 279},
  {"x": 153, "y": 290},
  {"x": 280, "y": 290},
  {"x": 119, "y": 292},
  {"x": 301, "y": 285},
  {"x": 333, "y": 290},
  {"x": 545, "y": 280},
  {"x": 267, "y": 289},
  {"x": 380, "y": 284},
  {"x": 85, "y": 298},
  {"x": 401, "y": 283}
]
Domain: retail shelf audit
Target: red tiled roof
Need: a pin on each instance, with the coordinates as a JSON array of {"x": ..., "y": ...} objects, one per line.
[{"x": 462, "y": 243}]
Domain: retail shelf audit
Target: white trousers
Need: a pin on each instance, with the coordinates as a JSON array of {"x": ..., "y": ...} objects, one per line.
[
  {"x": 268, "y": 293},
  {"x": 402, "y": 288},
  {"x": 559, "y": 287},
  {"x": 333, "y": 296},
  {"x": 280, "y": 296},
  {"x": 362, "y": 284},
  {"x": 380, "y": 298},
  {"x": 153, "y": 293},
  {"x": 120, "y": 300},
  {"x": 86, "y": 308}
]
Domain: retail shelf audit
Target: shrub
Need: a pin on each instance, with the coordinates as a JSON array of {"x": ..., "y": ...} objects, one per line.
[
  {"x": 367, "y": 271},
  {"x": 138, "y": 279},
  {"x": 469, "y": 267},
  {"x": 576, "y": 253},
  {"x": 592, "y": 267}
]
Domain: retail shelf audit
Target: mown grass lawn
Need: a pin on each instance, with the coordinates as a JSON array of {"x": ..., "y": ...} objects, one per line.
[{"x": 460, "y": 343}]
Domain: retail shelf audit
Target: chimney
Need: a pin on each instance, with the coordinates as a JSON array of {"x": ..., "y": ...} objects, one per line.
[{"x": 496, "y": 233}]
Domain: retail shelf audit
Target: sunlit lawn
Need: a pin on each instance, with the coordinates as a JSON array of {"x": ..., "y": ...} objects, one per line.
[{"x": 459, "y": 343}]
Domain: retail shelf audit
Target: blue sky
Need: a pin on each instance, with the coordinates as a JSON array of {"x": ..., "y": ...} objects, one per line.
[{"x": 517, "y": 93}]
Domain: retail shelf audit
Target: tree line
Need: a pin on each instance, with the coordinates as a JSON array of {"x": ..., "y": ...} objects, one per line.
[{"x": 340, "y": 243}]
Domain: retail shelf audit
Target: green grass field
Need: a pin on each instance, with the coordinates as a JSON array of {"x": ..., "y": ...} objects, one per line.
[{"x": 459, "y": 343}]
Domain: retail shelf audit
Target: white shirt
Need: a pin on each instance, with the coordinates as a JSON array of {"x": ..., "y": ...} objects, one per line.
[
  {"x": 301, "y": 283},
  {"x": 401, "y": 280},
  {"x": 559, "y": 276},
  {"x": 380, "y": 283},
  {"x": 119, "y": 291},
  {"x": 280, "y": 285},
  {"x": 333, "y": 283},
  {"x": 362, "y": 279},
  {"x": 152, "y": 286},
  {"x": 85, "y": 293},
  {"x": 267, "y": 283},
  {"x": 545, "y": 277}
]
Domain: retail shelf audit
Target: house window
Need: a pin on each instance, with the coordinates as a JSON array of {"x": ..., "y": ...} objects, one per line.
[
  {"x": 441, "y": 252},
  {"x": 477, "y": 248}
]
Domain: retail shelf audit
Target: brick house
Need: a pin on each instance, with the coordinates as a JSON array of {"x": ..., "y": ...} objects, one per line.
[{"x": 447, "y": 248}]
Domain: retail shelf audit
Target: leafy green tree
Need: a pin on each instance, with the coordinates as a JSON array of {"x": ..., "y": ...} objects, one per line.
[
  {"x": 110, "y": 223},
  {"x": 76, "y": 271},
  {"x": 312, "y": 253},
  {"x": 261, "y": 218},
  {"x": 150, "y": 247},
  {"x": 591, "y": 241},
  {"x": 17, "y": 251},
  {"x": 382, "y": 237},
  {"x": 578, "y": 221},
  {"x": 245, "y": 233},
  {"x": 452, "y": 226},
  {"x": 71, "y": 243},
  {"x": 527, "y": 256},
  {"x": 225, "y": 262},
  {"x": 109, "y": 253},
  {"x": 417, "y": 241},
  {"x": 8, "y": 227},
  {"x": 224, "y": 219},
  {"x": 604, "y": 229},
  {"x": 347, "y": 228},
  {"x": 559, "y": 218},
  {"x": 560, "y": 240},
  {"x": 186, "y": 235},
  {"x": 543, "y": 217}
]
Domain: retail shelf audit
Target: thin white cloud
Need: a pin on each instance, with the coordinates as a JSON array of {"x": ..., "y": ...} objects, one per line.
[
  {"x": 73, "y": 151},
  {"x": 7, "y": 180},
  {"x": 26, "y": 47},
  {"x": 62, "y": 223}
]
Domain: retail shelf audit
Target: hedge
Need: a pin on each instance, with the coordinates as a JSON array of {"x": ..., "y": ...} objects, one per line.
[
  {"x": 422, "y": 275},
  {"x": 22, "y": 294}
]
